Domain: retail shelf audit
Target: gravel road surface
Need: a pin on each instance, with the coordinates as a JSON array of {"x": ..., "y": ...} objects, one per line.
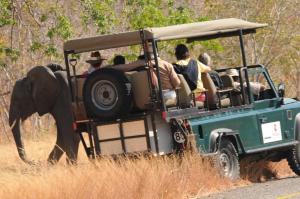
[{"x": 288, "y": 188}]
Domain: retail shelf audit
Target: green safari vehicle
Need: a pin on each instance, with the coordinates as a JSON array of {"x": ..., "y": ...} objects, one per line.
[{"x": 124, "y": 113}]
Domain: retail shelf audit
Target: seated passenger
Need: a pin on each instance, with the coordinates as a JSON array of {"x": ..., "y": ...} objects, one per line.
[
  {"x": 191, "y": 70},
  {"x": 119, "y": 59},
  {"x": 255, "y": 87},
  {"x": 206, "y": 60},
  {"x": 95, "y": 62},
  {"x": 168, "y": 76}
]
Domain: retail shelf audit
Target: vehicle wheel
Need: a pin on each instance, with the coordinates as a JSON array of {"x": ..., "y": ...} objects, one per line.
[
  {"x": 293, "y": 159},
  {"x": 107, "y": 94},
  {"x": 227, "y": 161}
]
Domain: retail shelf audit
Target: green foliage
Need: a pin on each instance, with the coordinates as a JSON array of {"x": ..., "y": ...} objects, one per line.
[
  {"x": 5, "y": 13},
  {"x": 51, "y": 51},
  {"x": 149, "y": 16},
  {"x": 35, "y": 46},
  {"x": 11, "y": 53},
  {"x": 102, "y": 13},
  {"x": 43, "y": 18},
  {"x": 62, "y": 28}
]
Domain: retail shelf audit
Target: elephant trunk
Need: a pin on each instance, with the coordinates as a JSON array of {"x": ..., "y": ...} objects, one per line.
[
  {"x": 14, "y": 123},
  {"x": 20, "y": 109}
]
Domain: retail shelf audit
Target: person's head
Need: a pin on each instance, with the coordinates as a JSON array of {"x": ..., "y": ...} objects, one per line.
[
  {"x": 150, "y": 56},
  {"x": 141, "y": 57},
  {"x": 182, "y": 52},
  {"x": 233, "y": 73},
  {"x": 96, "y": 59},
  {"x": 119, "y": 59},
  {"x": 205, "y": 59}
]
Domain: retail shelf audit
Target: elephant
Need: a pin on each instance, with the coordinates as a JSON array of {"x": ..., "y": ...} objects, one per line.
[{"x": 44, "y": 91}]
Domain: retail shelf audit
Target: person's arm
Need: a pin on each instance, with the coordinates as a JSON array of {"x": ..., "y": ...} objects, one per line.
[
  {"x": 203, "y": 67},
  {"x": 130, "y": 66}
]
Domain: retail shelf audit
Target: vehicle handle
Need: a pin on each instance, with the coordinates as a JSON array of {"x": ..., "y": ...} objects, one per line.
[{"x": 263, "y": 119}]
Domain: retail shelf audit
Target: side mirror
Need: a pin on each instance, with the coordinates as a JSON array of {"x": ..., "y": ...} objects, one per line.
[{"x": 281, "y": 89}]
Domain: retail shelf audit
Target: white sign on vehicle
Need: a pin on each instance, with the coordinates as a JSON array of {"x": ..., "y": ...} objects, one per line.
[{"x": 271, "y": 132}]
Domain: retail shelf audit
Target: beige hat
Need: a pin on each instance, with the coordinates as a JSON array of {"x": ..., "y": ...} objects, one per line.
[
  {"x": 96, "y": 58},
  {"x": 232, "y": 72}
]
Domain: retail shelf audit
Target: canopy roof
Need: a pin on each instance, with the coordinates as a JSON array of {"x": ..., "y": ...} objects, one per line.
[{"x": 191, "y": 31}]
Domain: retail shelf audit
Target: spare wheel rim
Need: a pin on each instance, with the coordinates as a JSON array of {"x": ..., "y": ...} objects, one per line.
[{"x": 104, "y": 95}]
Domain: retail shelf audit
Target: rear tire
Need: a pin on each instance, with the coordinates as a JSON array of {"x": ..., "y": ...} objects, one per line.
[
  {"x": 227, "y": 161},
  {"x": 107, "y": 94}
]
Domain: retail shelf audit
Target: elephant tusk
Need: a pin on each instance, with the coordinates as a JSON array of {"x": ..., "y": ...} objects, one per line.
[{"x": 13, "y": 125}]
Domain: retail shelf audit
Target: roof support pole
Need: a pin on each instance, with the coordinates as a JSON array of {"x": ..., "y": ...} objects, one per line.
[
  {"x": 155, "y": 53},
  {"x": 250, "y": 97},
  {"x": 66, "y": 55}
]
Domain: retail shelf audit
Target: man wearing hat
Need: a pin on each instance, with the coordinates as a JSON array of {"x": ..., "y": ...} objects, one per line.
[
  {"x": 255, "y": 87},
  {"x": 95, "y": 61}
]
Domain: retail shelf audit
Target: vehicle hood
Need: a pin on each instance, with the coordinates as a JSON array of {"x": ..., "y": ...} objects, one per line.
[{"x": 289, "y": 101}]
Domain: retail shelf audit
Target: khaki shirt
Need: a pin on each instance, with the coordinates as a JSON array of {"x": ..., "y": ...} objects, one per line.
[
  {"x": 168, "y": 76},
  {"x": 201, "y": 69}
]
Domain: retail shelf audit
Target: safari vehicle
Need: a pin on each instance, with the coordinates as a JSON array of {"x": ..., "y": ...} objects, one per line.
[{"x": 123, "y": 113}]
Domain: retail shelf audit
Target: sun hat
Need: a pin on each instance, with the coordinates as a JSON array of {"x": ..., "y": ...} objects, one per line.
[
  {"x": 232, "y": 72},
  {"x": 96, "y": 58}
]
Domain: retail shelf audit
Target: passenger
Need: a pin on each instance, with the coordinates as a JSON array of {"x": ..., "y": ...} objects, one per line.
[
  {"x": 191, "y": 69},
  {"x": 95, "y": 62},
  {"x": 255, "y": 87},
  {"x": 168, "y": 76},
  {"x": 119, "y": 59},
  {"x": 206, "y": 60}
]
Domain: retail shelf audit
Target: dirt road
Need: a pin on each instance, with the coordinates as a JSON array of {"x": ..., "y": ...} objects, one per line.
[{"x": 288, "y": 188}]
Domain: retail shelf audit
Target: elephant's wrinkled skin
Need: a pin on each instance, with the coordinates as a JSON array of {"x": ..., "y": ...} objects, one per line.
[{"x": 43, "y": 91}]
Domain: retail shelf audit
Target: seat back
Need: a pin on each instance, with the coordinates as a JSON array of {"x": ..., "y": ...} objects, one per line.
[
  {"x": 210, "y": 87},
  {"x": 141, "y": 89},
  {"x": 78, "y": 108},
  {"x": 80, "y": 82},
  {"x": 227, "y": 81},
  {"x": 185, "y": 93}
]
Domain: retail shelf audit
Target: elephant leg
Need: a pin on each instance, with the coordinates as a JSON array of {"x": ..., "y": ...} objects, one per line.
[
  {"x": 69, "y": 138},
  {"x": 63, "y": 115},
  {"x": 57, "y": 151},
  {"x": 72, "y": 151}
]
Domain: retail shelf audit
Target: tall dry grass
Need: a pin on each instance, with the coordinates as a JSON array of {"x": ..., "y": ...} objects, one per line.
[
  {"x": 164, "y": 177},
  {"x": 140, "y": 178}
]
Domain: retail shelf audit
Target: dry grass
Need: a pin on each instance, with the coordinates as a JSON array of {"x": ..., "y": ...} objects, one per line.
[
  {"x": 140, "y": 178},
  {"x": 261, "y": 171}
]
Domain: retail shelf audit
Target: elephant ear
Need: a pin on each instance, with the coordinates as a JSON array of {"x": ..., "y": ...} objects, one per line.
[{"x": 44, "y": 88}]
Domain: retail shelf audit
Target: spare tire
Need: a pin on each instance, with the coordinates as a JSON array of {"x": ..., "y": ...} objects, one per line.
[{"x": 107, "y": 94}]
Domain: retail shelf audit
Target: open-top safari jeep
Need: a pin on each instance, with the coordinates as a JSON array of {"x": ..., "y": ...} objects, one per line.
[{"x": 123, "y": 113}]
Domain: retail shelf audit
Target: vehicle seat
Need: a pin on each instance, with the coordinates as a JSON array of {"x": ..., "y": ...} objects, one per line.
[
  {"x": 140, "y": 88},
  {"x": 236, "y": 95},
  {"x": 227, "y": 81},
  {"x": 79, "y": 109},
  {"x": 212, "y": 92},
  {"x": 184, "y": 93},
  {"x": 79, "y": 90}
]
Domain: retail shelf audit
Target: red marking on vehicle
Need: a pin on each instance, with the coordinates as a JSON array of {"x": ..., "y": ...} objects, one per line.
[
  {"x": 74, "y": 126},
  {"x": 164, "y": 115}
]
